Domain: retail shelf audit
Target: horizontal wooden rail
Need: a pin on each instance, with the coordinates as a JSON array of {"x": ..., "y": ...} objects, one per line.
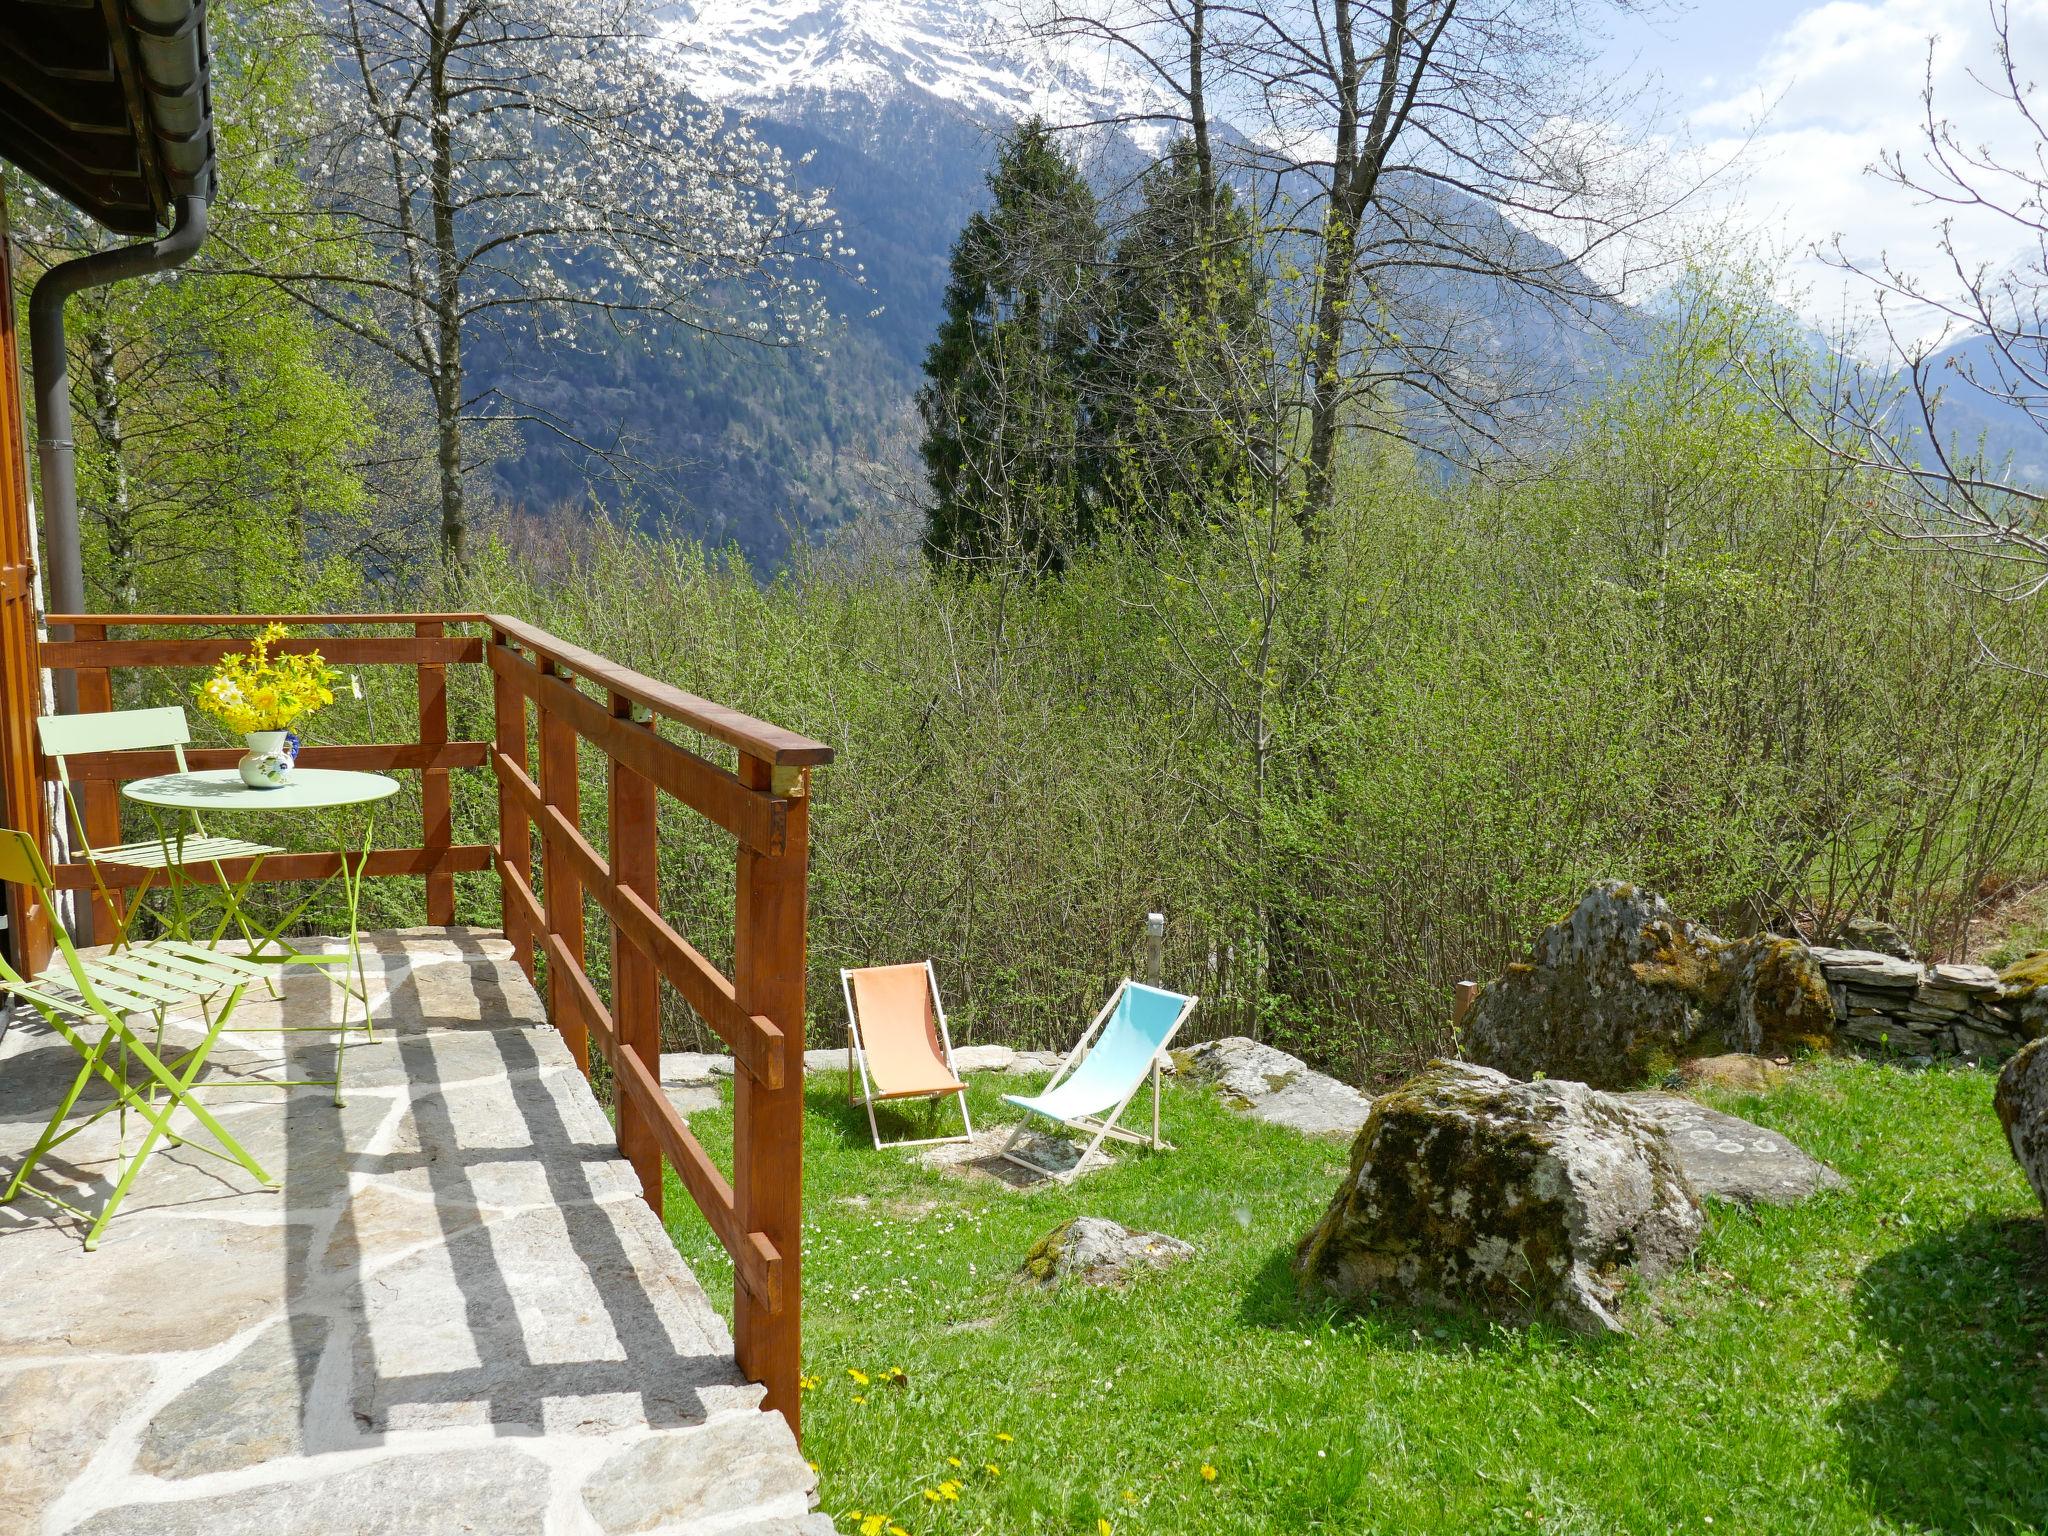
[
  {"x": 339, "y": 650},
  {"x": 257, "y": 620},
  {"x": 760, "y": 821},
  {"x": 756, "y": 1043},
  {"x": 371, "y": 756},
  {"x": 461, "y": 858},
  {"x": 756, "y": 738}
]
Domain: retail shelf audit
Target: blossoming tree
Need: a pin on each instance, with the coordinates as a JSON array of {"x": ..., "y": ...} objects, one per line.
[{"x": 539, "y": 163}]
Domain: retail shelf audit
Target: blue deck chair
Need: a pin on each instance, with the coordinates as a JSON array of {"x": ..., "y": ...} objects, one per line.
[{"x": 1127, "y": 1038}]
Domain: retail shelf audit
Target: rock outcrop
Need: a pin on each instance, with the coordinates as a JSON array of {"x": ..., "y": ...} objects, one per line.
[
  {"x": 2022, "y": 1101},
  {"x": 1092, "y": 1251},
  {"x": 1725, "y": 1157},
  {"x": 1271, "y": 1085},
  {"x": 1522, "y": 1200},
  {"x": 1622, "y": 988},
  {"x": 1615, "y": 989}
]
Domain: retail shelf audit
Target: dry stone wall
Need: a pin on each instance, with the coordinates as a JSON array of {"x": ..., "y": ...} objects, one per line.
[{"x": 1885, "y": 1004}]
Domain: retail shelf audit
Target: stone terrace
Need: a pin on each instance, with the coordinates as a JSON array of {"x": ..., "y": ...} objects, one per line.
[{"x": 457, "y": 1315}]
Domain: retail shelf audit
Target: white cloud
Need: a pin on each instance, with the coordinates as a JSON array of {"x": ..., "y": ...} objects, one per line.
[{"x": 1836, "y": 87}]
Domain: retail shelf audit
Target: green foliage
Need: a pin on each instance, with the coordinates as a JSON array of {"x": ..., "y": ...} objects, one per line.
[
  {"x": 1865, "y": 1362},
  {"x": 220, "y": 435},
  {"x": 1180, "y": 375},
  {"x": 1008, "y": 447},
  {"x": 1351, "y": 782}
]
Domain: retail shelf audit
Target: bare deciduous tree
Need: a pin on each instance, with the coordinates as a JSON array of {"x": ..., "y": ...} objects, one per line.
[
  {"x": 539, "y": 163},
  {"x": 1911, "y": 428}
]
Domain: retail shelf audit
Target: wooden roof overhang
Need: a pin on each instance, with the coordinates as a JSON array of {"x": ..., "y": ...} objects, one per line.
[{"x": 105, "y": 102}]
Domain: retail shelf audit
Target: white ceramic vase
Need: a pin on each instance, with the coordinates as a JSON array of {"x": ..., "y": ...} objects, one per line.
[{"x": 267, "y": 761}]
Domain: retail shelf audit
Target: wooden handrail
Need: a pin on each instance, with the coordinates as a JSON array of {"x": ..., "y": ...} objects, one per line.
[
  {"x": 759, "y": 1011},
  {"x": 254, "y": 620},
  {"x": 753, "y": 738}
]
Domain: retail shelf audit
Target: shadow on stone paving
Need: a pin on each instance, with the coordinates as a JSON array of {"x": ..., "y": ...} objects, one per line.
[{"x": 1958, "y": 1439}]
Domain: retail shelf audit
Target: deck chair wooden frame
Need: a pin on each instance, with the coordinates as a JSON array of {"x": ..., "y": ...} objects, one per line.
[
  {"x": 133, "y": 730},
  {"x": 1098, "y": 1127},
  {"x": 857, "y": 1062}
]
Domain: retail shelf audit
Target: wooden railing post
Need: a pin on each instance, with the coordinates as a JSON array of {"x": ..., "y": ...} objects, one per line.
[
  {"x": 515, "y": 831},
  {"x": 636, "y": 1016},
  {"x": 437, "y": 811},
  {"x": 562, "y": 897},
  {"x": 768, "y": 1123},
  {"x": 101, "y": 810}
]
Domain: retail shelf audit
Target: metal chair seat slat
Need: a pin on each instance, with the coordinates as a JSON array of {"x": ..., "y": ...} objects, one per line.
[{"x": 193, "y": 850}]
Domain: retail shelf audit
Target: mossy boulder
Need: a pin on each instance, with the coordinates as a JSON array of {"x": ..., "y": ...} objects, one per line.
[
  {"x": 1619, "y": 988},
  {"x": 1623, "y": 989},
  {"x": 1093, "y": 1251},
  {"x": 2023, "y": 988},
  {"x": 1780, "y": 1004},
  {"x": 2022, "y": 1103},
  {"x": 1519, "y": 1200}
]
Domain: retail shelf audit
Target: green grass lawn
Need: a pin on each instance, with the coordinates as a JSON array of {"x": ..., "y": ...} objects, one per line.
[{"x": 1875, "y": 1360}]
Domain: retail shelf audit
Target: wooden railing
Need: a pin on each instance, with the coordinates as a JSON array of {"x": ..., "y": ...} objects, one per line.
[{"x": 539, "y": 701}]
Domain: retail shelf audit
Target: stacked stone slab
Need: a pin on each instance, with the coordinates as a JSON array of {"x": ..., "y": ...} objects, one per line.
[{"x": 1887, "y": 1004}]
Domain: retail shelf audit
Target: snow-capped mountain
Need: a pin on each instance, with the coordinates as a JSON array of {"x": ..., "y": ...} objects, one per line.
[{"x": 982, "y": 60}]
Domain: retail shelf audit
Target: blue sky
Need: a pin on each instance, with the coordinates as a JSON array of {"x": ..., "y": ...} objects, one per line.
[{"x": 1802, "y": 98}]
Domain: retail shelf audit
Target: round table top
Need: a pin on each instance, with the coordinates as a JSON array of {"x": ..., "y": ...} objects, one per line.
[{"x": 222, "y": 789}]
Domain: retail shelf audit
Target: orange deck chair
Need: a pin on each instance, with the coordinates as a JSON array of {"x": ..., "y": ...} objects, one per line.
[{"x": 896, "y": 1039}]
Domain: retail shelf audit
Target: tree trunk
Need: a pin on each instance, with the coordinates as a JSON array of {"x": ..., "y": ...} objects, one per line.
[
  {"x": 124, "y": 551},
  {"x": 447, "y": 309}
]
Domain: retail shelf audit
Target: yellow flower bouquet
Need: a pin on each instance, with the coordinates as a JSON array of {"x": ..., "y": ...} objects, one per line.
[{"x": 260, "y": 694}]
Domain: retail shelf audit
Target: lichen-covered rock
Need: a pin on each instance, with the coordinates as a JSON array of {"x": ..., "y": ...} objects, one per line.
[
  {"x": 2022, "y": 1102},
  {"x": 1093, "y": 1251},
  {"x": 1780, "y": 1002},
  {"x": 1877, "y": 934},
  {"x": 2023, "y": 989},
  {"x": 1725, "y": 1157},
  {"x": 1616, "y": 989},
  {"x": 1735, "y": 1073},
  {"x": 1273, "y": 1086},
  {"x": 1522, "y": 1200}
]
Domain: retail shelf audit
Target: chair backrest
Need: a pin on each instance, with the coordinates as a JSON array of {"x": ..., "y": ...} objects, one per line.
[
  {"x": 899, "y": 1022},
  {"x": 1140, "y": 1023},
  {"x": 113, "y": 730},
  {"x": 20, "y": 863}
]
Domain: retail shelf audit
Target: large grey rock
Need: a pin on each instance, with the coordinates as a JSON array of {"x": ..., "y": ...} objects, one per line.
[
  {"x": 983, "y": 1058},
  {"x": 1725, "y": 1157},
  {"x": 1870, "y": 969},
  {"x": 1275, "y": 1087},
  {"x": 1875, "y": 933},
  {"x": 2022, "y": 1103},
  {"x": 1093, "y": 1251},
  {"x": 1623, "y": 987},
  {"x": 1614, "y": 988},
  {"x": 1522, "y": 1200}
]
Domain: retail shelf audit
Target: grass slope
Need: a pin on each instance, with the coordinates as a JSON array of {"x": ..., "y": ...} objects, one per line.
[{"x": 1871, "y": 1361}]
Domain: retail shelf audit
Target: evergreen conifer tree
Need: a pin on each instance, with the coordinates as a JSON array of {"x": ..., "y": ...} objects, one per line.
[{"x": 1012, "y": 456}]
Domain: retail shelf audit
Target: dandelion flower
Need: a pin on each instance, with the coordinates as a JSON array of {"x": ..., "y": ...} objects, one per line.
[
  {"x": 1208, "y": 1473},
  {"x": 1004, "y": 1436},
  {"x": 991, "y": 1469},
  {"x": 954, "y": 1461},
  {"x": 872, "y": 1525},
  {"x": 1102, "y": 1527},
  {"x": 860, "y": 1378}
]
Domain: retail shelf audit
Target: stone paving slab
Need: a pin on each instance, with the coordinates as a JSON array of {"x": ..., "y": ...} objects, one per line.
[{"x": 455, "y": 1315}]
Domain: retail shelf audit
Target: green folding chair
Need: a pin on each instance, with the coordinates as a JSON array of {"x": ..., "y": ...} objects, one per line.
[
  {"x": 133, "y": 730},
  {"x": 151, "y": 978}
]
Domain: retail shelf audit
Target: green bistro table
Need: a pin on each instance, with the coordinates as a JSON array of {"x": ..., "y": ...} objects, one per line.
[{"x": 217, "y": 790}]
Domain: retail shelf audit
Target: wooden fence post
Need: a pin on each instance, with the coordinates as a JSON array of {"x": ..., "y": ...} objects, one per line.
[
  {"x": 768, "y": 1124},
  {"x": 636, "y": 1017},
  {"x": 437, "y": 814},
  {"x": 562, "y": 897},
  {"x": 515, "y": 831},
  {"x": 97, "y": 802}
]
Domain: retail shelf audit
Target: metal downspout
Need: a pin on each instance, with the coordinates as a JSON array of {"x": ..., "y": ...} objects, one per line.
[{"x": 50, "y": 369}]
